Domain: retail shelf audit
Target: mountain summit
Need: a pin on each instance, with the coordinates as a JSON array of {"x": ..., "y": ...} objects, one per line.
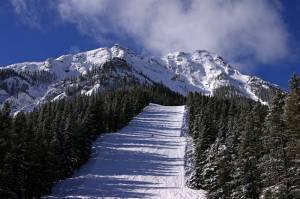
[{"x": 28, "y": 84}]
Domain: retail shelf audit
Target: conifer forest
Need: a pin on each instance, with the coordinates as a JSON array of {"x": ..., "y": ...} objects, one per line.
[{"x": 242, "y": 148}]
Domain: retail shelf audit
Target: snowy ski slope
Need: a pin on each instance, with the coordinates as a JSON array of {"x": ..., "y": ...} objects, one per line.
[{"x": 143, "y": 160}]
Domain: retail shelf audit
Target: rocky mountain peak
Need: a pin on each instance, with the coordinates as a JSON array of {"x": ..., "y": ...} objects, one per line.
[{"x": 28, "y": 84}]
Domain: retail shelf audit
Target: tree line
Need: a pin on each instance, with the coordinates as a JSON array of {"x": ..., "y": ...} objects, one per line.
[
  {"x": 40, "y": 148},
  {"x": 244, "y": 149}
]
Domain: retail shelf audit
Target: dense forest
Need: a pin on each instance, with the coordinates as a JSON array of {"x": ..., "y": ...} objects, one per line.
[
  {"x": 244, "y": 149},
  {"x": 39, "y": 148}
]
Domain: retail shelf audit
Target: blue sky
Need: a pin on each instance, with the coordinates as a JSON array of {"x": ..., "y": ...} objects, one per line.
[{"x": 262, "y": 39}]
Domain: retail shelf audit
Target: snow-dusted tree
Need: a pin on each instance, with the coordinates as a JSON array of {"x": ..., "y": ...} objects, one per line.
[
  {"x": 273, "y": 164},
  {"x": 248, "y": 182},
  {"x": 292, "y": 133}
]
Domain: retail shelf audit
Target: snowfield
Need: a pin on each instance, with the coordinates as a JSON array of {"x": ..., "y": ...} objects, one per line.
[{"x": 143, "y": 160}]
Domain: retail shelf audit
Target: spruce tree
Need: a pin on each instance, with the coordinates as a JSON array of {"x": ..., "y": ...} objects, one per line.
[
  {"x": 292, "y": 133},
  {"x": 16, "y": 165},
  {"x": 249, "y": 154},
  {"x": 274, "y": 162},
  {"x": 5, "y": 125}
]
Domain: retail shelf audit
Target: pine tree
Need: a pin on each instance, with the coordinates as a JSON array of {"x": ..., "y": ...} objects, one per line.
[
  {"x": 249, "y": 154},
  {"x": 220, "y": 179},
  {"x": 67, "y": 157},
  {"x": 273, "y": 163},
  {"x": 5, "y": 146},
  {"x": 5, "y": 125},
  {"x": 16, "y": 165},
  {"x": 292, "y": 148}
]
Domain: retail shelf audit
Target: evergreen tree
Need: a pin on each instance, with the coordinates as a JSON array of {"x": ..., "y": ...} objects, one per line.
[
  {"x": 292, "y": 133},
  {"x": 5, "y": 125},
  {"x": 249, "y": 153},
  {"x": 16, "y": 165},
  {"x": 220, "y": 179},
  {"x": 273, "y": 163}
]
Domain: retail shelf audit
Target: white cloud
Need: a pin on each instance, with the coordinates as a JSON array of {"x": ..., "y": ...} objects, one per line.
[
  {"x": 36, "y": 13},
  {"x": 28, "y": 15},
  {"x": 234, "y": 29}
]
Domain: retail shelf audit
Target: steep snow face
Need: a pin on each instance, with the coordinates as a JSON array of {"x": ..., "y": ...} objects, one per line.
[
  {"x": 204, "y": 72},
  {"x": 31, "y": 83}
]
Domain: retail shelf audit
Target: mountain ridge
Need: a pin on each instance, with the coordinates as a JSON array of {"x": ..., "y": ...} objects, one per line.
[{"x": 28, "y": 84}]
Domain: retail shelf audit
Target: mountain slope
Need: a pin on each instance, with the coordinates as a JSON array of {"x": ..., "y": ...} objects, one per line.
[
  {"x": 28, "y": 84},
  {"x": 143, "y": 160}
]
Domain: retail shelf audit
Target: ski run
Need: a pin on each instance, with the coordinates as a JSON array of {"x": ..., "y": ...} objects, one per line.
[{"x": 143, "y": 160}]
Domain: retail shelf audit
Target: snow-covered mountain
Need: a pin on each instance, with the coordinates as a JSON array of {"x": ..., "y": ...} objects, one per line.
[{"x": 28, "y": 84}]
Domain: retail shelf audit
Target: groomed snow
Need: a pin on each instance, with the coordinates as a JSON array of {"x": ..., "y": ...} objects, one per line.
[{"x": 143, "y": 160}]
